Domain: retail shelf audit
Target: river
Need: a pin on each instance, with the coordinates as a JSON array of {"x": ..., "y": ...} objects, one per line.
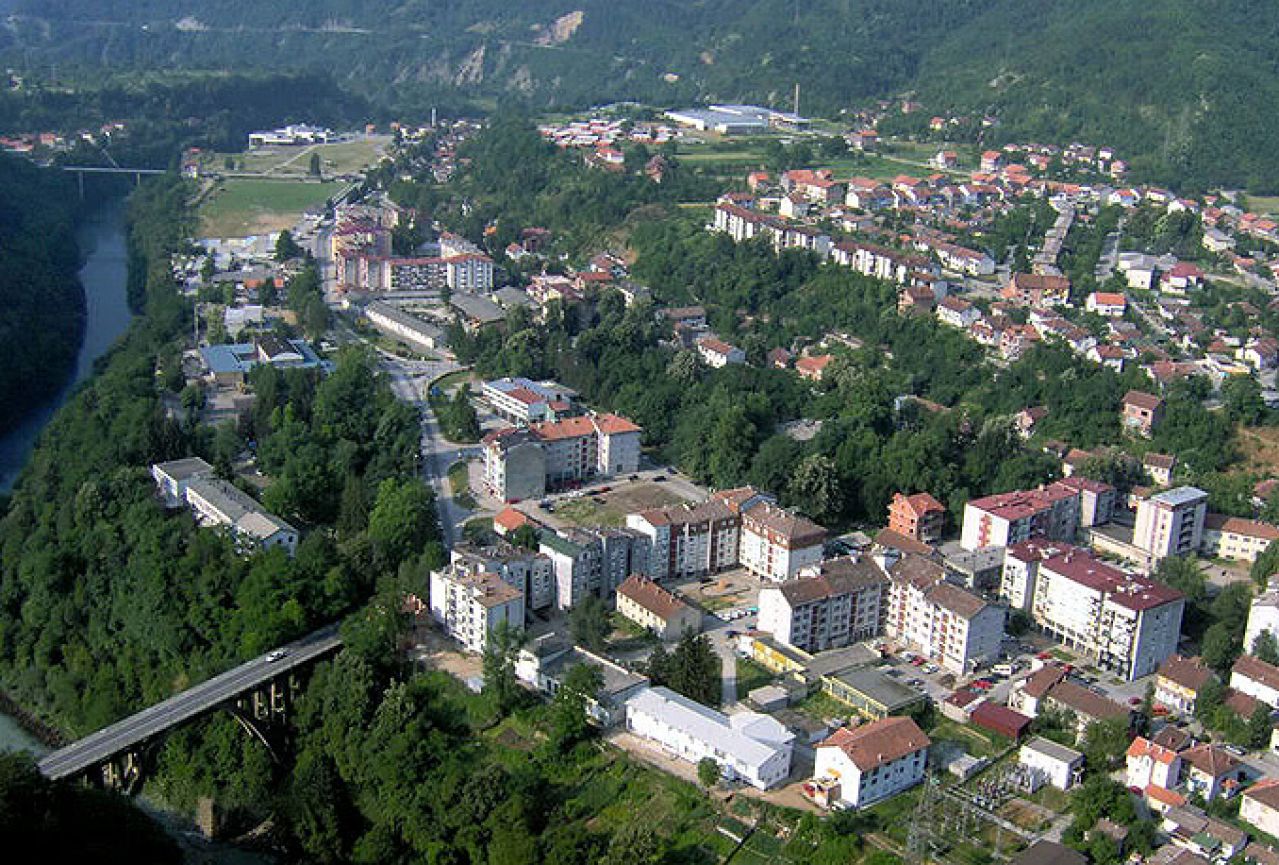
[
  {"x": 101, "y": 241},
  {"x": 102, "y": 245}
]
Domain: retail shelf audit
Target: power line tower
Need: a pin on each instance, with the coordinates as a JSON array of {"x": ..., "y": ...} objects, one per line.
[{"x": 923, "y": 819}]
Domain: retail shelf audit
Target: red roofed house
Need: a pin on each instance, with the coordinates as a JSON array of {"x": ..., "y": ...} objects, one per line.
[
  {"x": 1211, "y": 771},
  {"x": 1142, "y": 412},
  {"x": 813, "y": 367},
  {"x": 1183, "y": 277},
  {"x": 1256, "y": 678},
  {"x": 1109, "y": 304},
  {"x": 509, "y": 519},
  {"x": 920, "y": 516},
  {"x": 718, "y": 353},
  {"x": 652, "y": 607},
  {"x": 1260, "y": 806},
  {"x": 1034, "y": 289},
  {"x": 1154, "y": 765},
  {"x": 1179, "y": 682},
  {"x": 861, "y": 765},
  {"x": 1236, "y": 538}
]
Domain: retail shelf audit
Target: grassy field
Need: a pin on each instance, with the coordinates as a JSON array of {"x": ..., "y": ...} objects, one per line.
[
  {"x": 752, "y": 675},
  {"x": 1260, "y": 447},
  {"x": 344, "y": 157},
  {"x": 238, "y": 208},
  {"x": 460, "y": 484},
  {"x": 1263, "y": 203},
  {"x": 611, "y": 508}
]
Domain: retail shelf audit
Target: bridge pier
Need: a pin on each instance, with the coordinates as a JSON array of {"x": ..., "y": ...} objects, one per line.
[{"x": 80, "y": 179}]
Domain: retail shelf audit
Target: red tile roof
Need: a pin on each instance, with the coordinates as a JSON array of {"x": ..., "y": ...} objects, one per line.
[{"x": 879, "y": 742}]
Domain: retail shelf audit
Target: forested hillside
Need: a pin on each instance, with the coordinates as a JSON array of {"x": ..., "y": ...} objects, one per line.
[
  {"x": 41, "y": 300},
  {"x": 1185, "y": 89}
]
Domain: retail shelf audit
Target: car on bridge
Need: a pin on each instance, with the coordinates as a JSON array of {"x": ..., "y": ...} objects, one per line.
[{"x": 277, "y": 655}]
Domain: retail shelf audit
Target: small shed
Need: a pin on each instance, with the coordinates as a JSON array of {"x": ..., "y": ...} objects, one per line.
[{"x": 1001, "y": 720}]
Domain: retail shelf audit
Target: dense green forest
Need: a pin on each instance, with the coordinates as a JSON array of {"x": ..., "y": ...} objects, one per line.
[
  {"x": 1190, "y": 105},
  {"x": 41, "y": 299}
]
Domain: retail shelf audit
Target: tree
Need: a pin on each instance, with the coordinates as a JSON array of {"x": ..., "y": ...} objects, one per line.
[
  {"x": 286, "y": 247},
  {"x": 1266, "y": 565},
  {"x": 1105, "y": 742},
  {"x": 1259, "y": 727},
  {"x": 589, "y": 623},
  {"x": 1019, "y": 622},
  {"x": 313, "y": 168},
  {"x": 694, "y": 670},
  {"x": 524, "y": 536},
  {"x": 708, "y": 773},
  {"x": 816, "y": 487},
  {"x": 402, "y": 521},
  {"x": 1242, "y": 396},
  {"x": 1209, "y": 699},
  {"x": 570, "y": 722},
  {"x": 315, "y": 318},
  {"x": 1220, "y": 648},
  {"x": 504, "y": 641},
  {"x": 1266, "y": 647}
]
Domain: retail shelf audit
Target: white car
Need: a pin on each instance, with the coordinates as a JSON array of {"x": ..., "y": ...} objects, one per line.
[{"x": 277, "y": 655}]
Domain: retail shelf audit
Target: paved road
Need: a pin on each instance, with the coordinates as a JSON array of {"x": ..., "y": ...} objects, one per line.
[
  {"x": 98, "y": 747},
  {"x": 408, "y": 378}
]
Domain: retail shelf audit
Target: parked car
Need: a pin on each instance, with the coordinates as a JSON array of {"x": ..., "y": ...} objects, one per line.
[
  {"x": 931, "y": 668},
  {"x": 657, "y": 479}
]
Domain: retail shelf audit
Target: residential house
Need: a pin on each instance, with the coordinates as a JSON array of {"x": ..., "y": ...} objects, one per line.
[
  {"x": 1210, "y": 771},
  {"x": 218, "y": 504},
  {"x": 653, "y": 608},
  {"x": 747, "y": 746},
  {"x": 1254, "y": 677},
  {"x": 1150, "y": 764},
  {"x": 1191, "y": 829},
  {"x": 718, "y": 354},
  {"x": 1027, "y": 695},
  {"x": 859, "y": 766},
  {"x": 172, "y": 478},
  {"x": 1263, "y": 616},
  {"x": 1236, "y": 538},
  {"x": 1183, "y": 277},
  {"x": 838, "y": 602},
  {"x": 1142, "y": 412},
  {"x": 1058, "y": 765},
  {"x": 1086, "y": 706},
  {"x": 1260, "y": 806},
  {"x": 544, "y": 662},
  {"x": 1179, "y": 682},
  {"x": 1108, "y": 304},
  {"x": 813, "y": 367},
  {"x": 919, "y": 516},
  {"x": 1159, "y": 467},
  {"x": 1037, "y": 290},
  {"x": 956, "y": 312}
]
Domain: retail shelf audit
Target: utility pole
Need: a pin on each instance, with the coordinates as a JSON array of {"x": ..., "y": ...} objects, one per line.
[{"x": 796, "y": 99}]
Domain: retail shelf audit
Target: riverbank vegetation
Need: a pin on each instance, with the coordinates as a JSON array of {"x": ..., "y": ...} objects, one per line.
[{"x": 42, "y": 306}]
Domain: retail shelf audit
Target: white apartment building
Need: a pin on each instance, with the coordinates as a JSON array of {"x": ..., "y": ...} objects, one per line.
[
  {"x": 1263, "y": 616},
  {"x": 470, "y": 606},
  {"x": 835, "y": 604},
  {"x": 776, "y": 544},
  {"x": 749, "y": 747},
  {"x": 1171, "y": 523},
  {"x": 218, "y": 504},
  {"x": 522, "y": 463},
  {"x": 522, "y": 401},
  {"x": 689, "y": 540},
  {"x": 532, "y": 573},
  {"x": 719, "y": 354},
  {"x": 869, "y": 763},
  {"x": 1127, "y": 624},
  {"x": 1235, "y": 538},
  {"x": 469, "y": 272},
  {"x": 944, "y": 622},
  {"x": 1008, "y": 518}
]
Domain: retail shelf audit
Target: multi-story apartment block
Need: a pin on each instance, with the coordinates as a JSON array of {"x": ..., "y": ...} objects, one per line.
[
  {"x": 689, "y": 540},
  {"x": 1096, "y": 500},
  {"x": 859, "y": 766},
  {"x": 532, "y": 573},
  {"x": 1127, "y": 624},
  {"x": 525, "y": 402},
  {"x": 592, "y": 561},
  {"x": 523, "y": 463},
  {"x": 920, "y": 516},
  {"x": 839, "y": 602},
  {"x": 1171, "y": 523},
  {"x": 1236, "y": 538},
  {"x": 1009, "y": 518},
  {"x": 471, "y": 606},
  {"x": 1038, "y": 290},
  {"x": 775, "y": 544},
  {"x": 942, "y": 621}
]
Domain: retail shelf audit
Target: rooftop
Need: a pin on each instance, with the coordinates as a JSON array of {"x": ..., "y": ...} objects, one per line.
[
  {"x": 746, "y": 736},
  {"x": 879, "y": 742}
]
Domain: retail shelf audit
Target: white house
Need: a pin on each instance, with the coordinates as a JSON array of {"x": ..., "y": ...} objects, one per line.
[
  {"x": 1106, "y": 303},
  {"x": 719, "y": 354},
  {"x": 217, "y": 503},
  {"x": 1264, "y": 616},
  {"x": 1260, "y": 806},
  {"x": 1152, "y": 765},
  {"x": 866, "y": 764},
  {"x": 747, "y": 746},
  {"x": 1256, "y": 678},
  {"x": 1056, "y": 764}
]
